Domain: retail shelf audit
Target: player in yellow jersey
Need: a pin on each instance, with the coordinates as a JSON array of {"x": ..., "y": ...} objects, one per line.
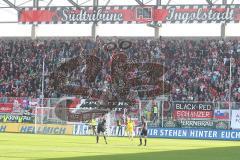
[
  {"x": 93, "y": 125},
  {"x": 130, "y": 126}
]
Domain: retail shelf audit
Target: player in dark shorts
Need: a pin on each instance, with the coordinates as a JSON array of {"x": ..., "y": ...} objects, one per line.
[
  {"x": 101, "y": 129},
  {"x": 143, "y": 131}
]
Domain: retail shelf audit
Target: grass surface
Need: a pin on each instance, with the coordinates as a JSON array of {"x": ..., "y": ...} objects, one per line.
[{"x": 53, "y": 147}]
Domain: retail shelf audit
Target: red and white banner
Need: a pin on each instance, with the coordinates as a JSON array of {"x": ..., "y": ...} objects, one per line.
[
  {"x": 6, "y": 107},
  {"x": 131, "y": 14}
]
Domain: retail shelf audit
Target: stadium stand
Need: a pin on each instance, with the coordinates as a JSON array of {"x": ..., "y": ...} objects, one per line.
[{"x": 198, "y": 70}]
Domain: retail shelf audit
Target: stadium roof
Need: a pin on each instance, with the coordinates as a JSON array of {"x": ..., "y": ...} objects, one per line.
[{"x": 9, "y": 26}]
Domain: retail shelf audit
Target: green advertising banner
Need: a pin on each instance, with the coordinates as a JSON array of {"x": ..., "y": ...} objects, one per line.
[
  {"x": 16, "y": 119},
  {"x": 196, "y": 124}
]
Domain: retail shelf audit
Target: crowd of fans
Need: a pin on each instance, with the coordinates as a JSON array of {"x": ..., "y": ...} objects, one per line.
[{"x": 197, "y": 70}]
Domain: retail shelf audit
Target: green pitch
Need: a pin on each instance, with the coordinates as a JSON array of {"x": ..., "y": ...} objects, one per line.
[{"x": 47, "y": 147}]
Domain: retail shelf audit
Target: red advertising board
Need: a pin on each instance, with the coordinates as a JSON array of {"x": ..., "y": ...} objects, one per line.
[
  {"x": 6, "y": 107},
  {"x": 192, "y": 114},
  {"x": 132, "y": 14}
]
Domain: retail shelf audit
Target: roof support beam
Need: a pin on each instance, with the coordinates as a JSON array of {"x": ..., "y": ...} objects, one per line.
[
  {"x": 49, "y": 2},
  {"x": 74, "y": 4},
  {"x": 209, "y": 2},
  {"x": 12, "y": 5},
  {"x": 139, "y": 2},
  {"x": 35, "y": 3}
]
